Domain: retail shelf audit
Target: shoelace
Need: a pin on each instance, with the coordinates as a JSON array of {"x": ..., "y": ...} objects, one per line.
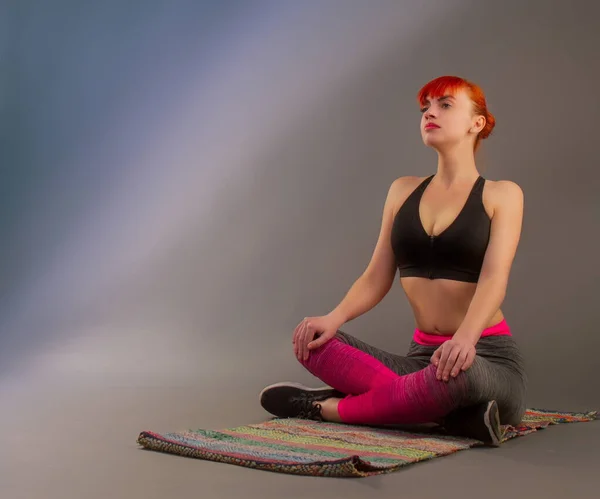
[{"x": 306, "y": 409}]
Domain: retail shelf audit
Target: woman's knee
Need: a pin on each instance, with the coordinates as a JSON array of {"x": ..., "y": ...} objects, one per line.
[
  {"x": 315, "y": 353},
  {"x": 340, "y": 336},
  {"x": 487, "y": 381},
  {"x": 513, "y": 408}
]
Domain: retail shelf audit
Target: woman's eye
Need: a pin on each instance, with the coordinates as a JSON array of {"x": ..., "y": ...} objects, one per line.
[
  {"x": 423, "y": 109},
  {"x": 445, "y": 104}
]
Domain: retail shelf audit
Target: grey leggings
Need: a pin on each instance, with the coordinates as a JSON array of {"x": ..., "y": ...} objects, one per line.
[{"x": 496, "y": 374}]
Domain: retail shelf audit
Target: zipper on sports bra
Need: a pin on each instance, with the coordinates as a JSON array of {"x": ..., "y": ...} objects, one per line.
[{"x": 431, "y": 239}]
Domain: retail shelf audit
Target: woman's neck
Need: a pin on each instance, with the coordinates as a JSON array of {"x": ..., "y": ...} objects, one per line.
[{"x": 456, "y": 166}]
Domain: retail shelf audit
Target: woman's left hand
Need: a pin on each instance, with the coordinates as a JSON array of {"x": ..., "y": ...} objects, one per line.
[{"x": 453, "y": 356}]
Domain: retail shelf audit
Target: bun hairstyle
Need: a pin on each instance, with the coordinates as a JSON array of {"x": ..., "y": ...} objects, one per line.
[{"x": 448, "y": 85}]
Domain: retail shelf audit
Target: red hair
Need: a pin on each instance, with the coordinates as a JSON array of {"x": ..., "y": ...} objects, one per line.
[{"x": 449, "y": 85}]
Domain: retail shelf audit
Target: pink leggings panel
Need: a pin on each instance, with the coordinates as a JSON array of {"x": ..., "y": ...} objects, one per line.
[{"x": 378, "y": 395}]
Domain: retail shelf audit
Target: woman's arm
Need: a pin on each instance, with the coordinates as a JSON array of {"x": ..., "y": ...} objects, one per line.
[
  {"x": 458, "y": 353},
  {"x": 507, "y": 221},
  {"x": 377, "y": 279}
]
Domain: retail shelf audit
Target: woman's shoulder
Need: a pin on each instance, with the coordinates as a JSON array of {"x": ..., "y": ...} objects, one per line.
[
  {"x": 502, "y": 193},
  {"x": 501, "y": 189},
  {"x": 401, "y": 188},
  {"x": 406, "y": 184}
]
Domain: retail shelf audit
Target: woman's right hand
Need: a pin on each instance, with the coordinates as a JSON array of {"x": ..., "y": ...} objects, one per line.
[{"x": 323, "y": 328}]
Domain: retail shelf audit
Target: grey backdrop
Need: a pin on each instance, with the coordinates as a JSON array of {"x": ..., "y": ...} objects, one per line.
[{"x": 183, "y": 181}]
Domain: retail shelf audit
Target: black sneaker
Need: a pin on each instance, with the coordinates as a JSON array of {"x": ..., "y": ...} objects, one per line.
[
  {"x": 481, "y": 422},
  {"x": 293, "y": 400}
]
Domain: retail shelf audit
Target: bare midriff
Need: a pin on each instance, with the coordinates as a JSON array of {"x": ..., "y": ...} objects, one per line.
[{"x": 440, "y": 305}]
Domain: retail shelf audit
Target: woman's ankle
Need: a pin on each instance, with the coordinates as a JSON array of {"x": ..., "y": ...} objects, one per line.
[{"x": 329, "y": 410}]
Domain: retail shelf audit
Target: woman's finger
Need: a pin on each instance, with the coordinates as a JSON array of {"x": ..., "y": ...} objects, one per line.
[
  {"x": 298, "y": 344},
  {"x": 317, "y": 342},
  {"x": 302, "y": 341},
  {"x": 470, "y": 359},
  {"x": 460, "y": 361},
  {"x": 450, "y": 362},
  {"x": 297, "y": 336},
  {"x": 296, "y": 332},
  {"x": 295, "y": 339},
  {"x": 309, "y": 335},
  {"x": 435, "y": 358},
  {"x": 443, "y": 359},
  {"x": 300, "y": 326}
]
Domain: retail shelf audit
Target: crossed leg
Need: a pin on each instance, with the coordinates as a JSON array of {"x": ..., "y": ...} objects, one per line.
[{"x": 383, "y": 388}]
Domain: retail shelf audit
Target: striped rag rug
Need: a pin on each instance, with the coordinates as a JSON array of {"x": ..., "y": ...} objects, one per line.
[{"x": 305, "y": 447}]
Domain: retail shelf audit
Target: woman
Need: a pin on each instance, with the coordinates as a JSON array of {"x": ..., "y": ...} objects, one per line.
[{"x": 453, "y": 237}]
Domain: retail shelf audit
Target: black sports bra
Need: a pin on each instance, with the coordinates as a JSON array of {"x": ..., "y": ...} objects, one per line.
[{"x": 457, "y": 253}]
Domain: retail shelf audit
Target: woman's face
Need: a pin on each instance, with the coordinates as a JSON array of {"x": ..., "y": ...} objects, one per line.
[{"x": 449, "y": 120}]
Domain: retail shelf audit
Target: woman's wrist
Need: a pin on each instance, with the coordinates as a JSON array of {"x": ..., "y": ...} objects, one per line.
[
  {"x": 470, "y": 336},
  {"x": 338, "y": 317}
]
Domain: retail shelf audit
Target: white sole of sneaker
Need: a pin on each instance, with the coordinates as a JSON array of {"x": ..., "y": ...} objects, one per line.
[{"x": 493, "y": 412}]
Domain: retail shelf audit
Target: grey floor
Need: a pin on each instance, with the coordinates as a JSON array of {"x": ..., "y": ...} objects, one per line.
[{"x": 78, "y": 441}]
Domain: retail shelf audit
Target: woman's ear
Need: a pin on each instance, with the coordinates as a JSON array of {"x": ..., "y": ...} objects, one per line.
[{"x": 478, "y": 125}]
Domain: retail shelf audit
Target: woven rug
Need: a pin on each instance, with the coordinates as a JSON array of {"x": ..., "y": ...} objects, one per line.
[{"x": 304, "y": 447}]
